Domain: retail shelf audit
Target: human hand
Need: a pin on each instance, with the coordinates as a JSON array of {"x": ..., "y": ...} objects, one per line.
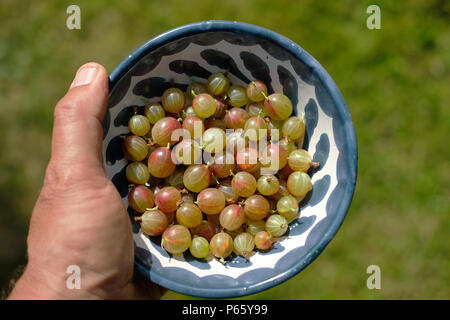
[{"x": 79, "y": 218}]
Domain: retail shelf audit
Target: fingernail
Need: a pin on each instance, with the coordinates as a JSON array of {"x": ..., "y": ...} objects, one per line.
[{"x": 84, "y": 76}]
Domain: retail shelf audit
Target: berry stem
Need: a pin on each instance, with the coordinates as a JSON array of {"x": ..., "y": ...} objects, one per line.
[{"x": 315, "y": 164}]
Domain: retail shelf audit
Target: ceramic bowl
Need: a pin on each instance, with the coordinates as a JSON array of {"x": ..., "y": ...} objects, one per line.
[{"x": 248, "y": 52}]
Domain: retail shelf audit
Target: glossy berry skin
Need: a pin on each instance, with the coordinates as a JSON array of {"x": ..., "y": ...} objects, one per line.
[
  {"x": 205, "y": 229},
  {"x": 154, "y": 112},
  {"x": 256, "y": 90},
  {"x": 223, "y": 165},
  {"x": 244, "y": 184},
  {"x": 211, "y": 201},
  {"x": 176, "y": 239},
  {"x": 278, "y": 106},
  {"x": 263, "y": 240},
  {"x": 256, "y": 128},
  {"x": 268, "y": 185},
  {"x": 276, "y": 225},
  {"x": 137, "y": 173},
  {"x": 135, "y": 148},
  {"x": 293, "y": 128},
  {"x": 197, "y": 177},
  {"x": 140, "y": 198},
  {"x": 300, "y": 160},
  {"x": 218, "y": 84},
  {"x": 287, "y": 145},
  {"x": 162, "y": 131},
  {"x": 237, "y": 96},
  {"x": 287, "y": 207},
  {"x": 160, "y": 163},
  {"x": 244, "y": 244},
  {"x": 139, "y": 125},
  {"x": 221, "y": 245},
  {"x": 232, "y": 217},
  {"x": 221, "y": 109},
  {"x": 256, "y": 109},
  {"x": 299, "y": 184},
  {"x": 204, "y": 105},
  {"x": 274, "y": 157},
  {"x": 256, "y": 207},
  {"x": 195, "y": 126},
  {"x": 189, "y": 215},
  {"x": 153, "y": 222},
  {"x": 167, "y": 199},
  {"x": 173, "y": 100},
  {"x": 199, "y": 247},
  {"x": 247, "y": 160},
  {"x": 236, "y": 118}
]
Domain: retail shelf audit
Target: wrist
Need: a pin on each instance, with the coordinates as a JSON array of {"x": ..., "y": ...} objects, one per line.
[{"x": 37, "y": 285}]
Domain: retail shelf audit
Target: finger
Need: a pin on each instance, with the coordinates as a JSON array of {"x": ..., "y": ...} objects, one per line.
[{"x": 77, "y": 130}]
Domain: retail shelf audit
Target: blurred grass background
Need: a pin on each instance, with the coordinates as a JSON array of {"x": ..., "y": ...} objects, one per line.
[{"x": 396, "y": 82}]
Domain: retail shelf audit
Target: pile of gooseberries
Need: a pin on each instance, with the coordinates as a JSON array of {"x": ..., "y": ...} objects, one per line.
[{"x": 194, "y": 191}]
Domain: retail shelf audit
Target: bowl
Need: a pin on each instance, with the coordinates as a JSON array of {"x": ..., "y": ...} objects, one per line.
[{"x": 248, "y": 52}]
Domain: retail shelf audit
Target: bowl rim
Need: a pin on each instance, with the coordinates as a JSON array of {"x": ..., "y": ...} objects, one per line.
[{"x": 343, "y": 112}]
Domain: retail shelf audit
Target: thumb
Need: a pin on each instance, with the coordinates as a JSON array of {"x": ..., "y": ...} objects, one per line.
[{"x": 77, "y": 129}]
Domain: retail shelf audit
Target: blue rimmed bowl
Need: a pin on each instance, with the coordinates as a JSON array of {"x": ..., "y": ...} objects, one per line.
[{"x": 193, "y": 52}]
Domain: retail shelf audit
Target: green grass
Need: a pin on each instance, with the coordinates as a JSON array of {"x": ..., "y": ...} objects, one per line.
[{"x": 395, "y": 82}]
